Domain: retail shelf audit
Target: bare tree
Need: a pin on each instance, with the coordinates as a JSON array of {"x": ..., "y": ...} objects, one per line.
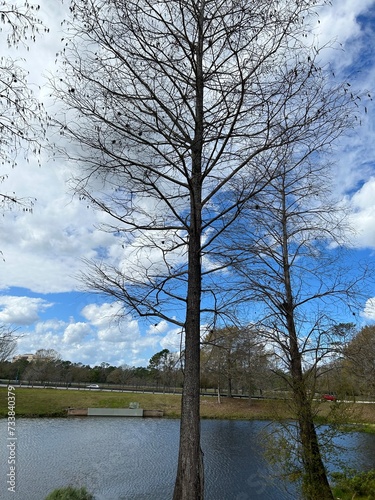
[
  {"x": 8, "y": 343},
  {"x": 291, "y": 266},
  {"x": 236, "y": 357},
  {"x": 121, "y": 375},
  {"x": 22, "y": 119},
  {"x": 161, "y": 365},
  {"x": 178, "y": 109},
  {"x": 45, "y": 367},
  {"x": 47, "y": 355}
]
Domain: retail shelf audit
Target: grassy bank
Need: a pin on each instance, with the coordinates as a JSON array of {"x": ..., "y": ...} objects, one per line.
[{"x": 54, "y": 403}]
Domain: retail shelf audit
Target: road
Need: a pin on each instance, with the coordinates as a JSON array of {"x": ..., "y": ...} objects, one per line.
[{"x": 142, "y": 391}]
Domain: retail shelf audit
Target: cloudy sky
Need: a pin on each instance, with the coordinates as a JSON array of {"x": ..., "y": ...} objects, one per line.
[{"x": 43, "y": 250}]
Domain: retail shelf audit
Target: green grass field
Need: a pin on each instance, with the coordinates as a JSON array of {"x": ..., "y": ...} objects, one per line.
[{"x": 54, "y": 403}]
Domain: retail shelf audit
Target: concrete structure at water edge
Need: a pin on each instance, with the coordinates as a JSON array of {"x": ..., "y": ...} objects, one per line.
[
  {"x": 77, "y": 412},
  {"x": 133, "y": 411},
  {"x": 114, "y": 412}
]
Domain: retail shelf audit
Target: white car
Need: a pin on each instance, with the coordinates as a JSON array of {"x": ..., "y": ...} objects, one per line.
[{"x": 93, "y": 386}]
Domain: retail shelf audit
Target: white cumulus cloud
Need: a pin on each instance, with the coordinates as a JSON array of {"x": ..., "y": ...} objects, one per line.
[
  {"x": 21, "y": 310},
  {"x": 369, "y": 310}
]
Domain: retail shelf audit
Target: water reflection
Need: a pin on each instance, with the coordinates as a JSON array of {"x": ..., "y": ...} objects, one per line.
[
  {"x": 135, "y": 459},
  {"x": 235, "y": 467}
]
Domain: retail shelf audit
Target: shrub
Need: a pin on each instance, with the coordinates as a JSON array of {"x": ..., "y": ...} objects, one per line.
[
  {"x": 353, "y": 484},
  {"x": 70, "y": 493}
]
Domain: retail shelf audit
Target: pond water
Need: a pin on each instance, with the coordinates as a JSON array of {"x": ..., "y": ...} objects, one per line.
[{"x": 135, "y": 458}]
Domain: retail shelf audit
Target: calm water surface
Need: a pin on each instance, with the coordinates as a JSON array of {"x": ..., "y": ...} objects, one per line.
[{"x": 135, "y": 459}]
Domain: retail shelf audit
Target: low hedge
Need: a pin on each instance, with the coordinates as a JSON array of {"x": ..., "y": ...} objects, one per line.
[{"x": 70, "y": 493}]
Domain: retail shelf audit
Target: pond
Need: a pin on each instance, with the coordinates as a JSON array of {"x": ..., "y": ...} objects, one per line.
[{"x": 135, "y": 458}]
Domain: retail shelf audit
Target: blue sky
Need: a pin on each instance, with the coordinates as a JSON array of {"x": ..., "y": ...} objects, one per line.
[{"x": 43, "y": 250}]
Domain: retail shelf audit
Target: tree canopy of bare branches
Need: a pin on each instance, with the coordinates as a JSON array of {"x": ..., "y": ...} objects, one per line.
[
  {"x": 175, "y": 112},
  {"x": 22, "y": 118},
  {"x": 294, "y": 280},
  {"x": 8, "y": 343}
]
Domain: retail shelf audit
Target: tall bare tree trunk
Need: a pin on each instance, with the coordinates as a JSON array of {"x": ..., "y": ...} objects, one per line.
[
  {"x": 315, "y": 485},
  {"x": 189, "y": 483}
]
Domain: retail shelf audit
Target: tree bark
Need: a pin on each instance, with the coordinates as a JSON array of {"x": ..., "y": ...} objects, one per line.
[
  {"x": 315, "y": 485},
  {"x": 189, "y": 483}
]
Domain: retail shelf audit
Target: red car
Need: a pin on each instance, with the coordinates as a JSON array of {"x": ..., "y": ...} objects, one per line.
[{"x": 329, "y": 396}]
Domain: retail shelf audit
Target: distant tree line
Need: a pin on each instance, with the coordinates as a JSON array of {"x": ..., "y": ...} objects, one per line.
[{"x": 234, "y": 362}]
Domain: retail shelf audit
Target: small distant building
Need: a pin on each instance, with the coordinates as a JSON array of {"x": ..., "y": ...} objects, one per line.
[
  {"x": 40, "y": 355},
  {"x": 27, "y": 357}
]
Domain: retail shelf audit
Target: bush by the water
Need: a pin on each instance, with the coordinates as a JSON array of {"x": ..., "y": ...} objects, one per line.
[
  {"x": 70, "y": 493},
  {"x": 352, "y": 484}
]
